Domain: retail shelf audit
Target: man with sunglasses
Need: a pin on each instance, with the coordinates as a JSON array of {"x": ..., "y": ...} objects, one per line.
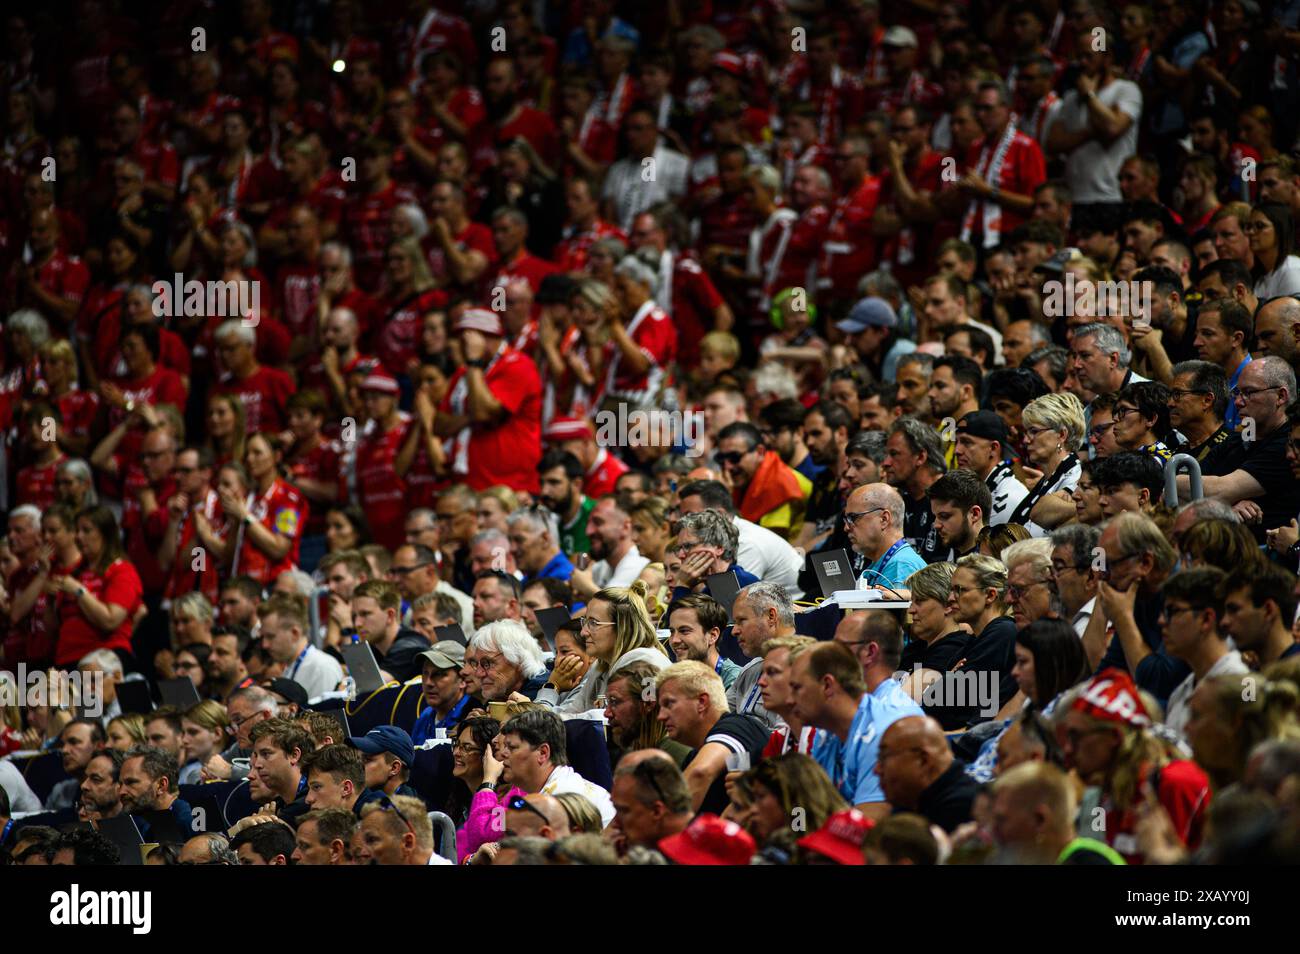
[
  {"x": 396, "y": 831},
  {"x": 536, "y": 816}
]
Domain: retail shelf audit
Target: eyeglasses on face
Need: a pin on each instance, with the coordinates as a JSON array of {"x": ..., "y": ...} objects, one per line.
[
  {"x": 1167, "y": 613},
  {"x": 730, "y": 457},
  {"x": 1098, "y": 432},
  {"x": 1016, "y": 592},
  {"x": 1248, "y": 393},
  {"x": 853, "y": 516},
  {"x": 1177, "y": 394},
  {"x": 586, "y": 622},
  {"x": 1106, "y": 572}
]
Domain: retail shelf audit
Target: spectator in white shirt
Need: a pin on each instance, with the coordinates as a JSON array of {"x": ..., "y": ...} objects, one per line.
[
  {"x": 649, "y": 173},
  {"x": 1190, "y": 628},
  {"x": 284, "y": 634}
]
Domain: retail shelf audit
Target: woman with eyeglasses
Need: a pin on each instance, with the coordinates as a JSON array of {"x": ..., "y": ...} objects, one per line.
[
  {"x": 619, "y": 631},
  {"x": 1141, "y": 415},
  {"x": 1053, "y": 429},
  {"x": 1272, "y": 242},
  {"x": 1108, "y": 737},
  {"x": 977, "y": 600},
  {"x": 477, "y": 791},
  {"x": 192, "y": 661}
]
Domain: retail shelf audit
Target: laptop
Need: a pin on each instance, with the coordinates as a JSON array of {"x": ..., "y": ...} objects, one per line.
[
  {"x": 207, "y": 814},
  {"x": 724, "y": 588},
  {"x": 834, "y": 571},
  {"x": 123, "y": 832},
  {"x": 451, "y": 631},
  {"x": 362, "y": 667},
  {"x": 134, "y": 696},
  {"x": 178, "y": 692},
  {"x": 551, "y": 619}
]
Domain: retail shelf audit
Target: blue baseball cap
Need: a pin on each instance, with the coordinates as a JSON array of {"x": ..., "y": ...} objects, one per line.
[
  {"x": 870, "y": 312},
  {"x": 386, "y": 738}
]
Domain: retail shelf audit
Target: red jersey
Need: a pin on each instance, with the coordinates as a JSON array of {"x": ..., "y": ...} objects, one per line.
[
  {"x": 839, "y": 103},
  {"x": 1012, "y": 162},
  {"x": 849, "y": 251},
  {"x": 30, "y": 639},
  {"x": 326, "y": 199},
  {"x": 164, "y": 386},
  {"x": 1184, "y": 791},
  {"x": 182, "y": 577},
  {"x": 36, "y": 483},
  {"x": 727, "y": 220},
  {"x": 380, "y": 492},
  {"x": 118, "y": 585},
  {"x": 398, "y": 335},
  {"x": 574, "y": 247},
  {"x": 654, "y": 333},
  {"x": 603, "y": 474},
  {"x": 475, "y": 236},
  {"x": 173, "y": 353},
  {"x": 321, "y": 463},
  {"x": 65, "y": 276},
  {"x": 695, "y": 302},
  {"x": 78, "y": 410},
  {"x": 284, "y": 511},
  {"x": 264, "y": 394},
  {"x": 525, "y": 265},
  {"x": 144, "y": 534},
  {"x": 367, "y": 226},
  {"x": 533, "y": 125},
  {"x": 438, "y": 31},
  {"x": 507, "y": 453},
  {"x": 297, "y": 288}
]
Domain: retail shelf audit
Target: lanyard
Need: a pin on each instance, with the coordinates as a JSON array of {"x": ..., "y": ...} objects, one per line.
[
  {"x": 717, "y": 666},
  {"x": 4, "y": 835},
  {"x": 897, "y": 545},
  {"x": 298, "y": 662}
]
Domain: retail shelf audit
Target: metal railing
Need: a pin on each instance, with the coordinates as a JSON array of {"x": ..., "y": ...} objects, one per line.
[
  {"x": 446, "y": 829},
  {"x": 1177, "y": 463}
]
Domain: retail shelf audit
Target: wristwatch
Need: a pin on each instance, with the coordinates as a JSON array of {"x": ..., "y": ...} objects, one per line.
[
  {"x": 477, "y": 363},
  {"x": 1294, "y": 552}
]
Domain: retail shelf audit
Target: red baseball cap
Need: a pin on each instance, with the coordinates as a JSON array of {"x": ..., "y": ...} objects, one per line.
[
  {"x": 841, "y": 838},
  {"x": 1112, "y": 696},
  {"x": 568, "y": 429},
  {"x": 380, "y": 380},
  {"x": 481, "y": 320},
  {"x": 709, "y": 840},
  {"x": 728, "y": 62}
]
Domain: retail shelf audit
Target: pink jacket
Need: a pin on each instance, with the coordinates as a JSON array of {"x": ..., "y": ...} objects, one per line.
[{"x": 486, "y": 822}]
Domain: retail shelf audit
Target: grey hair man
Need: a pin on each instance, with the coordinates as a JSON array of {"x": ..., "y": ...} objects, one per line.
[
  {"x": 508, "y": 660},
  {"x": 1073, "y": 549},
  {"x": 762, "y": 611},
  {"x": 535, "y": 542},
  {"x": 208, "y": 848},
  {"x": 1100, "y": 360}
]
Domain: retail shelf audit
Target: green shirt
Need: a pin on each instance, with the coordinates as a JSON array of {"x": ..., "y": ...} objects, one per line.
[
  {"x": 729, "y": 671},
  {"x": 573, "y": 536}
]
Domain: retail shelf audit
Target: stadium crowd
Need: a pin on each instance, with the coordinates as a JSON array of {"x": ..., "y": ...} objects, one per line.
[{"x": 343, "y": 341}]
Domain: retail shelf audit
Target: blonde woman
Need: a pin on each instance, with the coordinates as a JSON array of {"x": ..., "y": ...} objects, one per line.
[
  {"x": 126, "y": 732},
  {"x": 619, "y": 632},
  {"x": 205, "y": 729},
  {"x": 1053, "y": 429},
  {"x": 493, "y": 506}
]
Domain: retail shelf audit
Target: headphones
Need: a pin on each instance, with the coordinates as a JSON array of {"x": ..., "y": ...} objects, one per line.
[{"x": 776, "y": 315}]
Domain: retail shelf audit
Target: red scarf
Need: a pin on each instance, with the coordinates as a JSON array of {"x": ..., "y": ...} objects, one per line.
[{"x": 773, "y": 485}]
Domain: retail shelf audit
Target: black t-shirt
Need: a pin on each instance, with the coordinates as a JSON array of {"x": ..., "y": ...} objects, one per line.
[
  {"x": 1209, "y": 451},
  {"x": 402, "y": 659},
  {"x": 918, "y": 527},
  {"x": 947, "y": 801},
  {"x": 1265, "y": 460},
  {"x": 739, "y": 733},
  {"x": 993, "y": 650},
  {"x": 939, "y": 655}
]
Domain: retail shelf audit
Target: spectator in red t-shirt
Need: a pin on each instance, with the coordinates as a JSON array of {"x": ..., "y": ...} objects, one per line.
[
  {"x": 313, "y": 464},
  {"x": 368, "y": 217},
  {"x": 493, "y": 408},
  {"x": 270, "y": 520},
  {"x": 52, "y": 282},
  {"x": 510, "y": 232},
  {"x": 78, "y": 408},
  {"x": 508, "y": 119},
  {"x": 460, "y": 251},
  {"x": 601, "y": 470},
  {"x": 298, "y": 279},
  {"x": 307, "y": 181},
  {"x": 262, "y": 391},
  {"x": 96, "y": 605},
  {"x": 409, "y": 294},
  {"x": 379, "y": 489},
  {"x": 583, "y": 225},
  {"x": 39, "y": 432}
]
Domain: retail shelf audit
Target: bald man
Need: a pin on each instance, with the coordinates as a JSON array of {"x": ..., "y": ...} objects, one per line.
[
  {"x": 920, "y": 774},
  {"x": 1275, "y": 329},
  {"x": 873, "y": 517},
  {"x": 543, "y": 818}
]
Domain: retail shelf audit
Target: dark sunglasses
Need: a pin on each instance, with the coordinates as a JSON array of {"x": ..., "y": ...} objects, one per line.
[{"x": 521, "y": 804}]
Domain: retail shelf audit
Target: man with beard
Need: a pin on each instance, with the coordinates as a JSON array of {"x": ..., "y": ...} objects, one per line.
[
  {"x": 981, "y": 449},
  {"x": 79, "y": 741},
  {"x": 508, "y": 119},
  {"x": 696, "y": 623},
  {"x": 147, "y": 782},
  {"x": 914, "y": 461},
  {"x": 826, "y": 430},
  {"x": 562, "y": 479},
  {"x": 780, "y": 425},
  {"x": 913, "y": 379},
  {"x": 609, "y": 529},
  {"x": 954, "y": 392},
  {"x": 601, "y": 470},
  {"x": 959, "y": 500},
  {"x": 99, "y": 791}
]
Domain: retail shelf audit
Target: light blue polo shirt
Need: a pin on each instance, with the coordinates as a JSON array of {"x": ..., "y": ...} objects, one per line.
[{"x": 852, "y": 764}]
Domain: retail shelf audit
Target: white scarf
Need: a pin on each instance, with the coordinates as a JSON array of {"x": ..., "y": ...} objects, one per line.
[{"x": 991, "y": 172}]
